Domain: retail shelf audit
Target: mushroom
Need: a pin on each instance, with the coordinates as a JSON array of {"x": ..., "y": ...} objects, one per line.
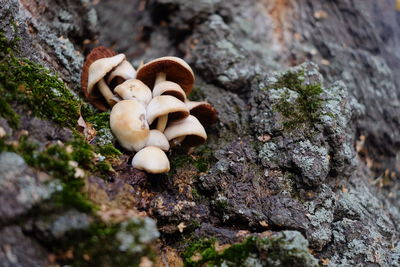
[
  {"x": 94, "y": 96},
  {"x": 98, "y": 70},
  {"x": 134, "y": 88},
  {"x": 158, "y": 139},
  {"x": 152, "y": 160},
  {"x": 172, "y": 69},
  {"x": 169, "y": 88},
  {"x": 128, "y": 124},
  {"x": 203, "y": 111},
  {"x": 159, "y": 70},
  {"x": 121, "y": 73},
  {"x": 187, "y": 132},
  {"x": 164, "y": 106}
]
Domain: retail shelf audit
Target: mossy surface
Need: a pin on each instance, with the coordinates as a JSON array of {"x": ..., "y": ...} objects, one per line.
[
  {"x": 43, "y": 93},
  {"x": 196, "y": 94},
  {"x": 201, "y": 159},
  {"x": 273, "y": 251},
  {"x": 118, "y": 244},
  {"x": 204, "y": 253},
  {"x": 59, "y": 161},
  {"x": 306, "y": 107}
]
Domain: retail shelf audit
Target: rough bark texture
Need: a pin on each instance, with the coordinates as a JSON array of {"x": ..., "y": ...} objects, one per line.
[{"x": 301, "y": 169}]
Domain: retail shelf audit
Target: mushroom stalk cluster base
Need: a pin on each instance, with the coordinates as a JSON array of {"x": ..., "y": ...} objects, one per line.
[
  {"x": 135, "y": 106},
  {"x": 106, "y": 92}
]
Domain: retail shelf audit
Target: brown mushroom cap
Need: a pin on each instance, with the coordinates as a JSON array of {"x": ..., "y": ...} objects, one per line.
[
  {"x": 96, "y": 98},
  {"x": 176, "y": 70},
  {"x": 203, "y": 111}
]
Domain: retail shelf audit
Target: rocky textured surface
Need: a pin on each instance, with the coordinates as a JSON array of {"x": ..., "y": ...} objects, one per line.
[
  {"x": 301, "y": 166},
  {"x": 20, "y": 187}
]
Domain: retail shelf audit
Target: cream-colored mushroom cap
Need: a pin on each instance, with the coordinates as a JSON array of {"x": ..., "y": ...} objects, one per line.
[
  {"x": 128, "y": 124},
  {"x": 152, "y": 160},
  {"x": 134, "y": 88},
  {"x": 166, "y": 104},
  {"x": 169, "y": 88},
  {"x": 99, "y": 69},
  {"x": 158, "y": 139},
  {"x": 125, "y": 71},
  {"x": 190, "y": 129}
]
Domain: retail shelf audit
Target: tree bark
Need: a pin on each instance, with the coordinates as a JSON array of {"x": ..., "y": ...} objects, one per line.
[{"x": 301, "y": 168}]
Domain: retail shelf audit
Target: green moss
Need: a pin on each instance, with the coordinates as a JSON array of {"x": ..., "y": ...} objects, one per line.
[
  {"x": 100, "y": 245},
  {"x": 221, "y": 204},
  {"x": 272, "y": 251},
  {"x": 56, "y": 161},
  {"x": 201, "y": 159},
  {"x": 306, "y": 108},
  {"x": 232, "y": 256},
  {"x": 98, "y": 119},
  {"x": 195, "y": 193},
  {"x": 100, "y": 122},
  {"x": 108, "y": 150},
  {"x": 196, "y": 94},
  {"x": 27, "y": 83},
  {"x": 7, "y": 112},
  {"x": 202, "y": 247}
]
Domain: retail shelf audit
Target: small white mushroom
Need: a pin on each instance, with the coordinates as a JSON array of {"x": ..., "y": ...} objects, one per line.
[
  {"x": 122, "y": 72},
  {"x": 98, "y": 70},
  {"x": 163, "y": 106},
  {"x": 169, "y": 88},
  {"x": 134, "y": 88},
  {"x": 152, "y": 160},
  {"x": 189, "y": 132},
  {"x": 158, "y": 139},
  {"x": 158, "y": 71},
  {"x": 129, "y": 125}
]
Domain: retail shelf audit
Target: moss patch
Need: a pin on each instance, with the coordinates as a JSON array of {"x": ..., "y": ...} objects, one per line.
[
  {"x": 204, "y": 253},
  {"x": 59, "y": 161},
  {"x": 274, "y": 251},
  {"x": 25, "y": 82},
  {"x": 306, "y": 107},
  {"x": 121, "y": 244},
  {"x": 201, "y": 159},
  {"x": 196, "y": 94}
]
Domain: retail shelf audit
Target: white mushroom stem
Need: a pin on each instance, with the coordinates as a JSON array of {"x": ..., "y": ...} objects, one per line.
[
  {"x": 177, "y": 141},
  {"x": 163, "y": 120},
  {"x": 161, "y": 77},
  {"x": 162, "y": 123},
  {"x": 106, "y": 92}
]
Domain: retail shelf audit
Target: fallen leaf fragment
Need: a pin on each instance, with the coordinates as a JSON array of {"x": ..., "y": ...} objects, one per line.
[
  {"x": 88, "y": 131},
  {"x": 325, "y": 262},
  {"x": 181, "y": 226}
]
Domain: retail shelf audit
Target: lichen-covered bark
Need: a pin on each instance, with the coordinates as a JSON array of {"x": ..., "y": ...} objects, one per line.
[{"x": 301, "y": 167}]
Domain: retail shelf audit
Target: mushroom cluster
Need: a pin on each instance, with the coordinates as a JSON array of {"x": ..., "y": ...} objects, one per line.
[{"x": 150, "y": 110}]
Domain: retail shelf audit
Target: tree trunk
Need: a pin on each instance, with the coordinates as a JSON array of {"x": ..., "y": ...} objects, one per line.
[{"x": 301, "y": 168}]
